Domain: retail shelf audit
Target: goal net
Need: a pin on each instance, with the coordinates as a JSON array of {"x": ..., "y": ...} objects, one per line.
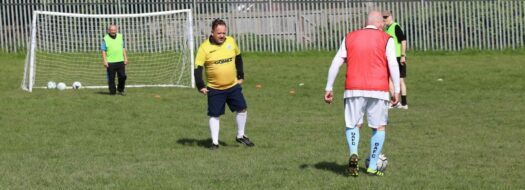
[{"x": 66, "y": 47}]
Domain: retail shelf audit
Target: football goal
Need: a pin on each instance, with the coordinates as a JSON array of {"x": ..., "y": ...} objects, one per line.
[{"x": 66, "y": 47}]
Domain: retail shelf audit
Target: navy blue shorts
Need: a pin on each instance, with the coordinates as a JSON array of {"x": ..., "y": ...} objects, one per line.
[{"x": 218, "y": 98}]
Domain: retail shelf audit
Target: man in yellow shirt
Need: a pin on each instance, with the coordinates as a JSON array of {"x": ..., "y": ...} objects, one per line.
[{"x": 221, "y": 59}]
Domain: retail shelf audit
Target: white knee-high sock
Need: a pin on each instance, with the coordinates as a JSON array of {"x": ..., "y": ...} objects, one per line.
[
  {"x": 240, "y": 118},
  {"x": 214, "y": 129}
]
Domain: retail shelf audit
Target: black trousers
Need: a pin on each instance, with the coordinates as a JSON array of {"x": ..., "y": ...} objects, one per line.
[{"x": 118, "y": 68}]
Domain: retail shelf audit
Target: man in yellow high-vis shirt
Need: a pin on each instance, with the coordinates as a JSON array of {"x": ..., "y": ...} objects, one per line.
[
  {"x": 115, "y": 59},
  {"x": 400, "y": 40}
]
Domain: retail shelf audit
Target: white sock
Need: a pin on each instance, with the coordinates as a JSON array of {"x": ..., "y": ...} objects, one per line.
[
  {"x": 214, "y": 129},
  {"x": 240, "y": 118}
]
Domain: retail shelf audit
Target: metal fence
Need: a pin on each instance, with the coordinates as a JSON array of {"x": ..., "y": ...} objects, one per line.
[{"x": 288, "y": 25}]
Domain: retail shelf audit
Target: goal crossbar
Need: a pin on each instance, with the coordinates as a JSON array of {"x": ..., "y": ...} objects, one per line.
[{"x": 112, "y": 15}]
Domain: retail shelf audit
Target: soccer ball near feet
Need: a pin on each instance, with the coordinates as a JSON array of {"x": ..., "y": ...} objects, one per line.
[{"x": 382, "y": 162}]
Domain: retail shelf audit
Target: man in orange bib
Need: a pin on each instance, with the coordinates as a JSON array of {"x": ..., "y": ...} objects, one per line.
[{"x": 371, "y": 60}]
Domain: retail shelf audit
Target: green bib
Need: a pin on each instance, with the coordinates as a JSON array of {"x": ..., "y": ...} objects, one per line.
[
  {"x": 114, "y": 48},
  {"x": 391, "y": 30}
]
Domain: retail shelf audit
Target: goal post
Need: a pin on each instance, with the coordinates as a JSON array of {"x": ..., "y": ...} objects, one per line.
[{"x": 66, "y": 47}]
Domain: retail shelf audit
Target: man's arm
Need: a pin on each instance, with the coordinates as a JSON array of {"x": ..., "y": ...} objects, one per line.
[
  {"x": 238, "y": 62},
  {"x": 239, "y": 68},
  {"x": 338, "y": 60},
  {"x": 104, "y": 55},
  {"x": 125, "y": 56},
  {"x": 401, "y": 37},
  {"x": 197, "y": 73},
  {"x": 124, "y": 51},
  {"x": 393, "y": 68},
  {"x": 403, "y": 48}
]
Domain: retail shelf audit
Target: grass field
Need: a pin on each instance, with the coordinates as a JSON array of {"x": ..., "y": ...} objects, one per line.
[{"x": 466, "y": 132}]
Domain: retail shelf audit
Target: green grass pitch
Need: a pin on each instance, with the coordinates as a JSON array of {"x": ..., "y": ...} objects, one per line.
[{"x": 465, "y": 132}]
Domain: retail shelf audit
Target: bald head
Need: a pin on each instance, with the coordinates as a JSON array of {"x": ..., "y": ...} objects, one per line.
[
  {"x": 112, "y": 29},
  {"x": 375, "y": 18}
]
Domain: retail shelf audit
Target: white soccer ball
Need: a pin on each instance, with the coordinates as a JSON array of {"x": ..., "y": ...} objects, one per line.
[
  {"x": 61, "y": 86},
  {"x": 51, "y": 85},
  {"x": 76, "y": 85},
  {"x": 382, "y": 162}
]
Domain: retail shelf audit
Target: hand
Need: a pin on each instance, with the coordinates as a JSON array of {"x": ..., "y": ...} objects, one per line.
[
  {"x": 403, "y": 60},
  {"x": 328, "y": 97},
  {"x": 106, "y": 65},
  {"x": 125, "y": 62},
  {"x": 395, "y": 99},
  {"x": 204, "y": 91},
  {"x": 240, "y": 81}
]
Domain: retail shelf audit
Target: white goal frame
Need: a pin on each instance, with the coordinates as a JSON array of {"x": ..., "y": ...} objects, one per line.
[{"x": 28, "y": 82}]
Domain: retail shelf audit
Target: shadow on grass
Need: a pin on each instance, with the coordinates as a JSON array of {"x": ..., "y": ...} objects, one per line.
[
  {"x": 204, "y": 143},
  {"x": 334, "y": 167},
  {"x": 102, "y": 92}
]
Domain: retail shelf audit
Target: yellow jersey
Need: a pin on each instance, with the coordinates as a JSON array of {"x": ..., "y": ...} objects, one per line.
[{"x": 219, "y": 62}]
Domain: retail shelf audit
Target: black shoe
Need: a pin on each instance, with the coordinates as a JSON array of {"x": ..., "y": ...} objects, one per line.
[
  {"x": 112, "y": 94},
  {"x": 122, "y": 93},
  {"x": 352, "y": 169},
  {"x": 245, "y": 140},
  {"x": 214, "y": 146}
]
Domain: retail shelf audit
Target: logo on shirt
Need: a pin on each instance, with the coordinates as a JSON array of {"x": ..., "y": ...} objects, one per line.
[
  {"x": 223, "y": 61},
  {"x": 213, "y": 51},
  {"x": 229, "y": 46}
]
